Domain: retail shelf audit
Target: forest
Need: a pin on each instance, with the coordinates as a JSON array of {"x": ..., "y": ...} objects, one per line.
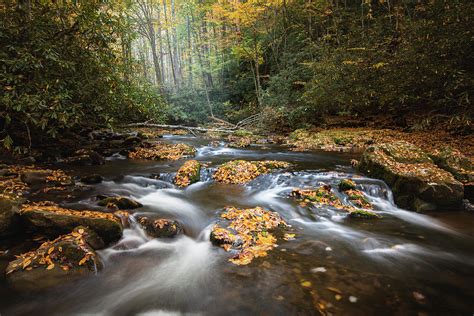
[{"x": 247, "y": 157}]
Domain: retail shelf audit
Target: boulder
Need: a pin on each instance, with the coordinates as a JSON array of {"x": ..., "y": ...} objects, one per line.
[
  {"x": 416, "y": 181},
  {"x": 119, "y": 202},
  {"x": 8, "y": 216},
  {"x": 67, "y": 258},
  {"x": 92, "y": 179},
  {"x": 160, "y": 228},
  {"x": 85, "y": 157},
  {"x": 52, "y": 220},
  {"x": 189, "y": 173}
]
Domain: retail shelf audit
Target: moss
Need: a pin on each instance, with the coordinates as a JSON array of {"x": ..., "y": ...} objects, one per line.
[
  {"x": 346, "y": 184},
  {"x": 364, "y": 214}
]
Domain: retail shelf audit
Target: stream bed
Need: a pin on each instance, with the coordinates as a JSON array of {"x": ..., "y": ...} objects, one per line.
[{"x": 404, "y": 263}]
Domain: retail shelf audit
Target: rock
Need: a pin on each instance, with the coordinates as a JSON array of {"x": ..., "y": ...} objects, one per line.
[
  {"x": 467, "y": 205},
  {"x": 417, "y": 183},
  {"x": 122, "y": 203},
  {"x": 160, "y": 228},
  {"x": 162, "y": 151},
  {"x": 85, "y": 157},
  {"x": 35, "y": 177},
  {"x": 456, "y": 163},
  {"x": 131, "y": 140},
  {"x": 189, "y": 173},
  {"x": 51, "y": 219},
  {"x": 8, "y": 216},
  {"x": 67, "y": 258},
  {"x": 363, "y": 214},
  {"x": 248, "y": 233},
  {"x": 346, "y": 184},
  {"x": 92, "y": 179},
  {"x": 241, "y": 171}
]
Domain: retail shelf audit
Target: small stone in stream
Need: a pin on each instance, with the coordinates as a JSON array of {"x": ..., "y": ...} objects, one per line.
[
  {"x": 363, "y": 214},
  {"x": 468, "y": 206},
  {"x": 35, "y": 177},
  {"x": 131, "y": 140},
  {"x": 319, "y": 269},
  {"x": 50, "y": 219},
  {"x": 120, "y": 202},
  {"x": 160, "y": 228},
  {"x": 92, "y": 179},
  {"x": 346, "y": 184},
  {"x": 67, "y": 258},
  {"x": 124, "y": 217}
]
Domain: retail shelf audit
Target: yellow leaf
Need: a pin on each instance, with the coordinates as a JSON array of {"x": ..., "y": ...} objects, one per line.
[
  {"x": 51, "y": 266},
  {"x": 306, "y": 284},
  {"x": 50, "y": 250}
]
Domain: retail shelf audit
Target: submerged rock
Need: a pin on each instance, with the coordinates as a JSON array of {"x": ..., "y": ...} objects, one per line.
[
  {"x": 160, "y": 228},
  {"x": 417, "y": 183},
  {"x": 241, "y": 171},
  {"x": 64, "y": 259},
  {"x": 51, "y": 219},
  {"x": 248, "y": 233},
  {"x": 346, "y": 184},
  {"x": 163, "y": 151},
  {"x": 118, "y": 202},
  {"x": 319, "y": 196}
]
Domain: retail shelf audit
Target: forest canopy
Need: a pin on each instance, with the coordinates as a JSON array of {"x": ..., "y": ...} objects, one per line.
[{"x": 68, "y": 65}]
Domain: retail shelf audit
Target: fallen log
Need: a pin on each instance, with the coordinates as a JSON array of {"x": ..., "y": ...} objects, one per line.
[{"x": 189, "y": 128}]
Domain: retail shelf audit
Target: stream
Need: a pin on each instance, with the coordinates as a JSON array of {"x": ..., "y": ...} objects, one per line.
[{"x": 405, "y": 263}]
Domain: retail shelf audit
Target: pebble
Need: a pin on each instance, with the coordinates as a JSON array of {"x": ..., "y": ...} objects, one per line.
[
  {"x": 328, "y": 249},
  {"x": 352, "y": 299}
]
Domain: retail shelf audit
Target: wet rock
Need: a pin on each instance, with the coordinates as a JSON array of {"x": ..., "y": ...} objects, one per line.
[
  {"x": 65, "y": 259},
  {"x": 363, "y": 214},
  {"x": 92, "y": 179},
  {"x": 124, "y": 218},
  {"x": 247, "y": 233},
  {"x": 189, "y": 173},
  {"x": 160, "y": 228},
  {"x": 239, "y": 142},
  {"x": 85, "y": 157},
  {"x": 120, "y": 202},
  {"x": 8, "y": 216},
  {"x": 346, "y": 184},
  {"x": 318, "y": 196},
  {"x": 52, "y": 220},
  {"x": 162, "y": 151},
  {"x": 241, "y": 171},
  {"x": 417, "y": 183},
  {"x": 467, "y": 205},
  {"x": 131, "y": 140}
]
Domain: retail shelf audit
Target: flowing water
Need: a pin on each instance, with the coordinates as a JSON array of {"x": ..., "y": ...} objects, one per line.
[{"x": 404, "y": 264}]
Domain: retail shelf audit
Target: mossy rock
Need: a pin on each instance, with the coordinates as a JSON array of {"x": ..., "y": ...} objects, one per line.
[
  {"x": 413, "y": 177},
  {"x": 364, "y": 214},
  {"x": 189, "y": 173},
  {"x": 8, "y": 216},
  {"x": 346, "y": 184},
  {"x": 456, "y": 163}
]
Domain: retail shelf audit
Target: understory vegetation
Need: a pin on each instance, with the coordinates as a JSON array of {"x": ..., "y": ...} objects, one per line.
[{"x": 71, "y": 66}]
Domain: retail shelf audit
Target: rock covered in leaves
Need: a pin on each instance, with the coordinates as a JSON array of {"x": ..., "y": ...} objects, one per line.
[
  {"x": 160, "y": 228},
  {"x": 346, "y": 184},
  {"x": 356, "y": 197},
  {"x": 241, "y": 171},
  {"x": 417, "y": 183},
  {"x": 51, "y": 219},
  {"x": 163, "y": 151},
  {"x": 64, "y": 259},
  {"x": 189, "y": 173},
  {"x": 248, "y": 233},
  {"x": 239, "y": 142},
  {"x": 118, "y": 202},
  {"x": 319, "y": 196}
]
